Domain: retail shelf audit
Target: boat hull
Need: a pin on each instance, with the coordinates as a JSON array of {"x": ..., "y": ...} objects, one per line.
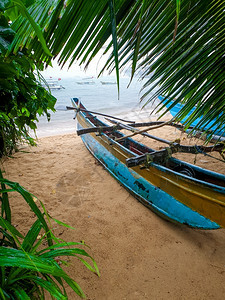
[
  {"x": 176, "y": 109},
  {"x": 151, "y": 194}
]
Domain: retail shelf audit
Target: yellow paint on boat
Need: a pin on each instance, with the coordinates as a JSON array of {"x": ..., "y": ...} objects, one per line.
[{"x": 202, "y": 199}]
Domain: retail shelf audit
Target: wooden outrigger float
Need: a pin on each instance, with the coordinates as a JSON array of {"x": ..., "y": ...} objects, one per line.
[{"x": 175, "y": 190}]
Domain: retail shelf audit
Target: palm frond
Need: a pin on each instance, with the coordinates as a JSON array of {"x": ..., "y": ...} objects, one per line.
[
  {"x": 30, "y": 201},
  {"x": 177, "y": 45},
  {"x": 189, "y": 68},
  {"x": 13, "y": 257}
]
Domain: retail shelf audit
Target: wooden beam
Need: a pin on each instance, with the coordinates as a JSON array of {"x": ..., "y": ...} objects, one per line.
[
  {"x": 128, "y": 127},
  {"x": 97, "y": 129},
  {"x": 144, "y": 130},
  {"x": 175, "y": 147},
  {"x": 118, "y": 126},
  {"x": 161, "y": 155},
  {"x": 155, "y": 156},
  {"x": 97, "y": 113}
]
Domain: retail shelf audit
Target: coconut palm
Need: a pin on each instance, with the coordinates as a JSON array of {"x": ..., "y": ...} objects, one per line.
[{"x": 177, "y": 45}]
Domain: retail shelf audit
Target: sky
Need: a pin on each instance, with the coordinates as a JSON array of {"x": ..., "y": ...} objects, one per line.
[{"x": 75, "y": 70}]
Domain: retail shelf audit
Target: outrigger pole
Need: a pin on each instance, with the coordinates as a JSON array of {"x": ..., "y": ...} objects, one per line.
[{"x": 97, "y": 113}]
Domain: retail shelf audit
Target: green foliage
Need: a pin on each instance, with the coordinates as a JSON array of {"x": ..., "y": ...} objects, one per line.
[
  {"x": 14, "y": 8},
  {"x": 23, "y": 98},
  {"x": 177, "y": 45},
  {"x": 29, "y": 268}
]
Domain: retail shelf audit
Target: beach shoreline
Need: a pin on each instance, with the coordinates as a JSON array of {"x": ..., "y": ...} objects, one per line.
[{"x": 140, "y": 255}]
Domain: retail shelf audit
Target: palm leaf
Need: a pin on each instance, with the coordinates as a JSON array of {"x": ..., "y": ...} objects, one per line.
[
  {"x": 49, "y": 286},
  {"x": 31, "y": 236},
  {"x": 26, "y": 261},
  {"x": 14, "y": 258},
  {"x": 20, "y": 293},
  {"x": 60, "y": 245},
  {"x": 2, "y": 294},
  {"x": 177, "y": 45},
  {"x": 62, "y": 223},
  {"x": 7, "y": 239},
  {"x": 114, "y": 38},
  {"x": 25, "y": 13},
  {"x": 8, "y": 226},
  {"x": 72, "y": 252},
  {"x": 28, "y": 197},
  {"x": 5, "y": 207}
]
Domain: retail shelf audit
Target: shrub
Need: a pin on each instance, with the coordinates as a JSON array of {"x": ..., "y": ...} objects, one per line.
[
  {"x": 28, "y": 267},
  {"x": 23, "y": 98}
]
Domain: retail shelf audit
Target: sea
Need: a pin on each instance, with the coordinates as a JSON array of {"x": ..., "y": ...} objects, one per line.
[{"x": 98, "y": 95}]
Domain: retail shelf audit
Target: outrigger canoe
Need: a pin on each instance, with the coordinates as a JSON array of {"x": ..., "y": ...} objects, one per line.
[
  {"x": 176, "y": 109},
  {"x": 175, "y": 190}
]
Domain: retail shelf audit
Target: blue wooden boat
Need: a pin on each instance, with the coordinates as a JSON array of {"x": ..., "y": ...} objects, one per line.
[
  {"x": 175, "y": 190},
  {"x": 175, "y": 110}
]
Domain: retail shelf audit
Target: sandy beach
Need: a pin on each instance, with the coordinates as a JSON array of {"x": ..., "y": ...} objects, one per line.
[{"x": 140, "y": 255}]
